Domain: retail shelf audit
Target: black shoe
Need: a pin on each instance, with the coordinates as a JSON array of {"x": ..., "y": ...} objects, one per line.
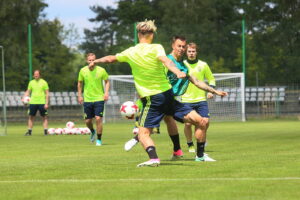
[
  {"x": 45, "y": 134},
  {"x": 27, "y": 134}
]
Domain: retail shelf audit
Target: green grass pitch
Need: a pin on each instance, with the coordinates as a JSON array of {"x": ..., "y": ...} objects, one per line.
[{"x": 255, "y": 160}]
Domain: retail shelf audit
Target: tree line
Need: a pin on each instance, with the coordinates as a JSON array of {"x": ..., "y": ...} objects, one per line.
[{"x": 272, "y": 37}]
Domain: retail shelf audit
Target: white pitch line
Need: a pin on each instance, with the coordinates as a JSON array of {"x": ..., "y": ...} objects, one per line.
[{"x": 152, "y": 180}]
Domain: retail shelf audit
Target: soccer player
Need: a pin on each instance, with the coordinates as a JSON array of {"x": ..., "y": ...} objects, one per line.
[
  {"x": 92, "y": 77},
  {"x": 148, "y": 62},
  {"x": 179, "y": 88},
  {"x": 193, "y": 96},
  {"x": 38, "y": 90}
]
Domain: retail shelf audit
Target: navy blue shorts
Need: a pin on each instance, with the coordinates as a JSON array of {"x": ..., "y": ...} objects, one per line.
[
  {"x": 155, "y": 107},
  {"x": 200, "y": 107},
  {"x": 92, "y": 109},
  {"x": 33, "y": 108}
]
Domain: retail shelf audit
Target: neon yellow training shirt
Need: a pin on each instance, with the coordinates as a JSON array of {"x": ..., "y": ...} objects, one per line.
[
  {"x": 38, "y": 91},
  {"x": 148, "y": 72},
  {"x": 200, "y": 70},
  {"x": 93, "y": 83}
]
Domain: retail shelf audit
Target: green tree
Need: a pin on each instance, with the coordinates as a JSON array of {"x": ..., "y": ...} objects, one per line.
[{"x": 50, "y": 55}]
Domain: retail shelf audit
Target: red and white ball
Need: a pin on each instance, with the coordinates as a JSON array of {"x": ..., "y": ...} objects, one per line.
[
  {"x": 26, "y": 100},
  {"x": 58, "y": 131},
  {"x": 51, "y": 131},
  {"x": 70, "y": 125},
  {"x": 129, "y": 110}
]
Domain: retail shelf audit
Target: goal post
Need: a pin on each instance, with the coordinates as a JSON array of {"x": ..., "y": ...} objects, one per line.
[
  {"x": 3, "y": 117},
  {"x": 229, "y": 108}
]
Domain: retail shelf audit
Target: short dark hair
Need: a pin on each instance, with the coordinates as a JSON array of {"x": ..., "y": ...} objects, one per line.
[{"x": 178, "y": 37}]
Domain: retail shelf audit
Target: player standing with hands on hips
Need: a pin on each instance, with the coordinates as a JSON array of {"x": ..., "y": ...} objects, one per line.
[
  {"x": 92, "y": 77},
  {"x": 38, "y": 90}
]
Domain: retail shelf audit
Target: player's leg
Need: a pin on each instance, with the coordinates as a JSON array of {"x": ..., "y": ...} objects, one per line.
[
  {"x": 99, "y": 108},
  {"x": 151, "y": 115},
  {"x": 44, "y": 114},
  {"x": 200, "y": 134},
  {"x": 31, "y": 114},
  {"x": 88, "y": 116},
  {"x": 131, "y": 143},
  {"x": 188, "y": 135},
  {"x": 149, "y": 146},
  {"x": 174, "y": 135},
  {"x": 99, "y": 129}
]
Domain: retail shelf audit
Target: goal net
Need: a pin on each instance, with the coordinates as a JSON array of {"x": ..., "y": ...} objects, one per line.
[{"x": 229, "y": 108}]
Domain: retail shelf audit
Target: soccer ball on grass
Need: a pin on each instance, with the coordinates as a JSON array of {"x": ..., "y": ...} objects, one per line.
[{"x": 70, "y": 125}]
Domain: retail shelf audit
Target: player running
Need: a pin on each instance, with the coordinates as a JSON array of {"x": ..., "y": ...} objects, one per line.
[
  {"x": 148, "y": 62},
  {"x": 91, "y": 77}
]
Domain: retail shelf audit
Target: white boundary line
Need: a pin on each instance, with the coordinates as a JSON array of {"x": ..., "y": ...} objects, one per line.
[{"x": 151, "y": 180}]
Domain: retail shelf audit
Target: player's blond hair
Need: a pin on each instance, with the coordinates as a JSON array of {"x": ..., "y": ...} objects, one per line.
[
  {"x": 192, "y": 45},
  {"x": 146, "y": 27}
]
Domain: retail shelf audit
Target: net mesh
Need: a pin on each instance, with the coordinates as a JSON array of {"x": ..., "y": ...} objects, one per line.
[{"x": 228, "y": 108}]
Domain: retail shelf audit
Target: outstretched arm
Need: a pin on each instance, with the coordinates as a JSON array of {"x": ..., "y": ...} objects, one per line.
[
  {"x": 171, "y": 66},
  {"x": 202, "y": 85},
  {"x": 105, "y": 59}
]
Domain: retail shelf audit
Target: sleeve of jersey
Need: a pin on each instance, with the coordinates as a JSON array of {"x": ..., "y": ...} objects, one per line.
[
  {"x": 80, "y": 77},
  {"x": 209, "y": 76},
  {"x": 46, "y": 87},
  {"x": 29, "y": 86},
  {"x": 105, "y": 75},
  {"x": 122, "y": 57},
  {"x": 160, "y": 51}
]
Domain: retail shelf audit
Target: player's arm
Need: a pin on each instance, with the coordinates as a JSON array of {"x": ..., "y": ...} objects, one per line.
[
  {"x": 211, "y": 80},
  {"x": 202, "y": 85},
  {"x": 47, "y": 99},
  {"x": 106, "y": 86},
  {"x": 79, "y": 90},
  {"x": 171, "y": 66},
  {"x": 105, "y": 59},
  {"x": 26, "y": 94}
]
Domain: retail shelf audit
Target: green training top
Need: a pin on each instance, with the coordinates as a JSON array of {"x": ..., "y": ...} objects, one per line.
[
  {"x": 147, "y": 70},
  {"x": 93, "y": 83},
  {"x": 200, "y": 70},
  {"x": 38, "y": 91}
]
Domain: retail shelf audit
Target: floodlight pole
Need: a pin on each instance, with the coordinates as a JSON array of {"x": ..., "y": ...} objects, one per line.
[{"x": 4, "y": 92}]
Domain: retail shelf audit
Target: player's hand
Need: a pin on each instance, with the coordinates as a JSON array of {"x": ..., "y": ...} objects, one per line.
[
  {"x": 106, "y": 97},
  {"x": 181, "y": 75},
  {"x": 91, "y": 64},
  {"x": 46, "y": 106},
  {"x": 210, "y": 95},
  {"x": 221, "y": 93},
  {"x": 80, "y": 100}
]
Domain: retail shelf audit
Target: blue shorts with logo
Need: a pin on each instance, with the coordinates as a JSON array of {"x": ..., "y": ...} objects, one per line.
[
  {"x": 92, "y": 109},
  {"x": 33, "y": 108},
  {"x": 155, "y": 107},
  {"x": 200, "y": 107}
]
